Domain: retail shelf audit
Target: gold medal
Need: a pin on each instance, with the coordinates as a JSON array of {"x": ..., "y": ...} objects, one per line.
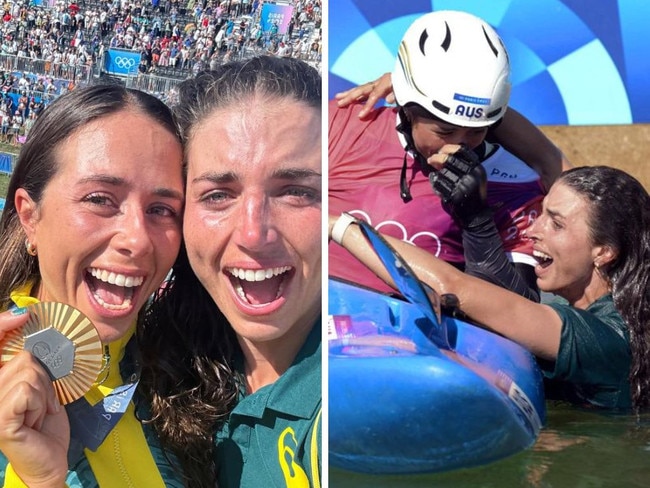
[{"x": 65, "y": 342}]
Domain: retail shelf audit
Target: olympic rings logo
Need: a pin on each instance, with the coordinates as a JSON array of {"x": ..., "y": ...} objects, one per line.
[
  {"x": 426, "y": 240},
  {"x": 124, "y": 63}
]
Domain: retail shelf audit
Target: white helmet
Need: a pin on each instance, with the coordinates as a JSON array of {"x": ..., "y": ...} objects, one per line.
[{"x": 455, "y": 66}]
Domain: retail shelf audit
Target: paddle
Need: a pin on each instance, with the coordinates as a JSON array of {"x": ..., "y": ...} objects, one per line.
[{"x": 410, "y": 287}]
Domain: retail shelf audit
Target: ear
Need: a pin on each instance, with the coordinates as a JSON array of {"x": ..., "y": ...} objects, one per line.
[
  {"x": 27, "y": 211},
  {"x": 604, "y": 255}
]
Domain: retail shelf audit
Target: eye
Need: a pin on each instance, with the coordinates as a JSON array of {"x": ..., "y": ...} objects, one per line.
[
  {"x": 164, "y": 211},
  {"x": 301, "y": 192},
  {"x": 97, "y": 199},
  {"x": 216, "y": 198},
  {"x": 302, "y": 195}
]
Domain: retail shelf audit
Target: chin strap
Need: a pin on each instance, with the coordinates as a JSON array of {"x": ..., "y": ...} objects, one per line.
[
  {"x": 404, "y": 191},
  {"x": 404, "y": 128}
]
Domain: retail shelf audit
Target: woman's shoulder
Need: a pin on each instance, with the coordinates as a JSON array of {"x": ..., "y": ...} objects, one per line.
[{"x": 600, "y": 315}]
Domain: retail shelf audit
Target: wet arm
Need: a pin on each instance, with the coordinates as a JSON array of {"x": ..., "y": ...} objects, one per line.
[
  {"x": 523, "y": 139},
  {"x": 534, "y": 326},
  {"x": 461, "y": 183}
]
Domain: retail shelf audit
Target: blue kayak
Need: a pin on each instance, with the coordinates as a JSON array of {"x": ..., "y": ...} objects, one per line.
[{"x": 400, "y": 403}]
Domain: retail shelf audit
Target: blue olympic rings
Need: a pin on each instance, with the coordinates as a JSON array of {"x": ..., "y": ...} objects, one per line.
[{"x": 124, "y": 63}]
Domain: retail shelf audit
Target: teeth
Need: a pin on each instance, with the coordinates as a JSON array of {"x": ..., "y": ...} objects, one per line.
[
  {"x": 109, "y": 306},
  {"x": 541, "y": 255},
  {"x": 258, "y": 274},
  {"x": 240, "y": 291},
  {"x": 116, "y": 279}
]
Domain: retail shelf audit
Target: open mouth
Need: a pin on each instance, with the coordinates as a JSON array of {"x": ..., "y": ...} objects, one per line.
[
  {"x": 259, "y": 286},
  {"x": 113, "y": 291},
  {"x": 543, "y": 259}
]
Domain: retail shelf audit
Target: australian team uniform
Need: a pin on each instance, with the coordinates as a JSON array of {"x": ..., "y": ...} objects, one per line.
[
  {"x": 109, "y": 446},
  {"x": 593, "y": 361},
  {"x": 273, "y": 436},
  {"x": 365, "y": 162}
]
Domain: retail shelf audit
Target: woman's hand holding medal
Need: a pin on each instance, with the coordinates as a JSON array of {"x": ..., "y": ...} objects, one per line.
[{"x": 35, "y": 434}]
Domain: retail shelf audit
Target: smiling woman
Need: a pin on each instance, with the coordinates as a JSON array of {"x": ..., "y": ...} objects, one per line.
[
  {"x": 234, "y": 346},
  {"x": 592, "y": 242},
  {"x": 92, "y": 220}
]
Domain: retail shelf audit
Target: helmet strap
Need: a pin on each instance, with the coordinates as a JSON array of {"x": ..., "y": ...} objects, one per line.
[
  {"x": 404, "y": 191},
  {"x": 404, "y": 128}
]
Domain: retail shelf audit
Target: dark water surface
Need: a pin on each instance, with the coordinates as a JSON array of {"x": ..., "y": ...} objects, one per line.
[{"x": 576, "y": 449}]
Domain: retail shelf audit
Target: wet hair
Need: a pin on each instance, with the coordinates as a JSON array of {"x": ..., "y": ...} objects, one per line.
[
  {"x": 37, "y": 164},
  {"x": 189, "y": 348},
  {"x": 619, "y": 217},
  {"x": 236, "y": 82}
]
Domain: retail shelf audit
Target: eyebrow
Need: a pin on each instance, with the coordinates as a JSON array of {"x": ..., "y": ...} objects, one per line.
[
  {"x": 295, "y": 174},
  {"x": 554, "y": 214},
  {"x": 215, "y": 177},
  {"x": 280, "y": 174},
  {"x": 117, "y": 181}
]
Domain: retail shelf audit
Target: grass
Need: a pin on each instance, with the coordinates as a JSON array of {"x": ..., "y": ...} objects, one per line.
[
  {"x": 4, "y": 178},
  {"x": 4, "y": 183}
]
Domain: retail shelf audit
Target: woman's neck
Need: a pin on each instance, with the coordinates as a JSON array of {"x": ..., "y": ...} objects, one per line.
[
  {"x": 596, "y": 289},
  {"x": 265, "y": 362}
]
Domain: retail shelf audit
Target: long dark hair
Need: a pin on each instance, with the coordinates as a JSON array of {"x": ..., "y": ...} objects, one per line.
[
  {"x": 37, "y": 164},
  {"x": 619, "y": 217},
  {"x": 188, "y": 345},
  {"x": 187, "y": 378}
]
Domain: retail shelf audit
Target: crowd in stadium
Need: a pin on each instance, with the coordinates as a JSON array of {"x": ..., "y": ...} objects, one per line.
[{"x": 48, "y": 47}]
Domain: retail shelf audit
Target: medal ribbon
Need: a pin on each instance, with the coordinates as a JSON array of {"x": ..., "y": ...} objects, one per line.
[
  {"x": 94, "y": 415},
  {"x": 90, "y": 424}
]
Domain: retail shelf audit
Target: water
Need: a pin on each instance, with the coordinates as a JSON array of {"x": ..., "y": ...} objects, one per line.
[{"x": 576, "y": 449}]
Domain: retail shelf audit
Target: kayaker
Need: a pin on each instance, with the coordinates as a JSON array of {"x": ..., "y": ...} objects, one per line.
[
  {"x": 592, "y": 246},
  {"x": 451, "y": 83}
]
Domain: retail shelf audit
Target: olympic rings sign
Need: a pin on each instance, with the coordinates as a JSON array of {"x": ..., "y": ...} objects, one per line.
[
  {"x": 124, "y": 63},
  {"x": 121, "y": 62}
]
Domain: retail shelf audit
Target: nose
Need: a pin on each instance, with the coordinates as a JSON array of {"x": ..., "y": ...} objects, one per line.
[
  {"x": 533, "y": 230},
  {"x": 256, "y": 227},
  {"x": 134, "y": 236}
]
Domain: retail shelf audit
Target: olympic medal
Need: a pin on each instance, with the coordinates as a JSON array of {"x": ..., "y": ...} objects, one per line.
[{"x": 65, "y": 342}]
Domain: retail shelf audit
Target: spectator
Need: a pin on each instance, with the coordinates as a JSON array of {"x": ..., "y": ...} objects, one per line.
[{"x": 86, "y": 31}]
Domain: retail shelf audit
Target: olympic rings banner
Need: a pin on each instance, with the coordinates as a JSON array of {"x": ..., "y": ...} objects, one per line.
[
  {"x": 577, "y": 62},
  {"x": 122, "y": 62}
]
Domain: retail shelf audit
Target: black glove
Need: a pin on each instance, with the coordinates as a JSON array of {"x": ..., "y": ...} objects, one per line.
[{"x": 462, "y": 186}]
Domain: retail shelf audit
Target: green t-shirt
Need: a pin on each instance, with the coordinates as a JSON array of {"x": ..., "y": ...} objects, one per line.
[
  {"x": 594, "y": 358},
  {"x": 272, "y": 437}
]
